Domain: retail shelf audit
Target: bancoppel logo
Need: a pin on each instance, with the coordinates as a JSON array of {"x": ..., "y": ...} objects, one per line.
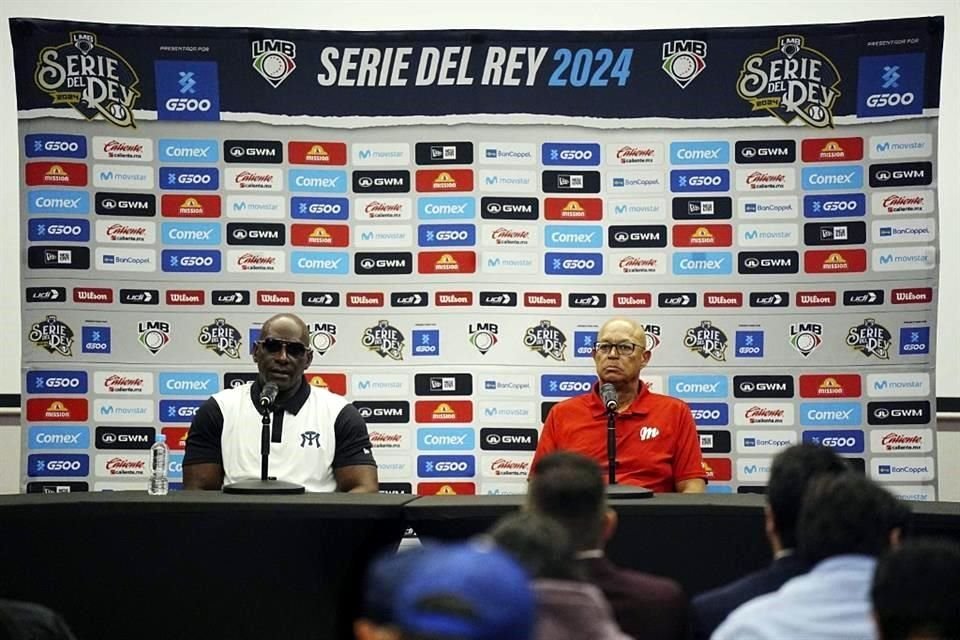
[
  {"x": 767, "y": 235},
  {"x": 252, "y": 179},
  {"x": 565, "y": 386},
  {"x": 190, "y": 234},
  {"x": 847, "y": 205},
  {"x": 914, "y": 341},
  {"x": 752, "y": 442},
  {"x": 882, "y": 385},
  {"x": 570, "y": 182},
  {"x": 830, "y": 178},
  {"x": 453, "y": 208},
  {"x": 903, "y": 202},
  {"x": 446, "y": 466},
  {"x": 317, "y": 153},
  {"x": 58, "y": 465},
  {"x": 769, "y": 299},
  {"x": 636, "y": 236},
  {"x": 895, "y": 147},
  {"x": 676, "y": 300},
  {"x": 58, "y": 438},
  {"x": 124, "y": 410},
  {"x": 187, "y": 90},
  {"x": 702, "y": 235},
  {"x": 768, "y": 207},
  {"x": 702, "y": 263},
  {"x": 839, "y": 441},
  {"x": 57, "y": 201},
  {"x": 834, "y": 233},
  {"x": 173, "y": 260},
  {"x": 830, "y": 414},
  {"x": 508, "y": 439},
  {"x": 902, "y": 469},
  {"x": 46, "y": 294},
  {"x": 448, "y": 180},
  {"x": 765, "y": 151},
  {"x": 699, "y": 180},
  {"x": 768, "y": 262},
  {"x": 763, "y": 386},
  {"x": 573, "y": 237},
  {"x": 306, "y": 208},
  {"x": 56, "y": 174},
  {"x": 894, "y": 231},
  {"x": 700, "y": 152},
  {"x": 253, "y": 151},
  {"x": 586, "y": 300},
  {"x": 766, "y": 180},
  {"x": 583, "y": 154},
  {"x": 497, "y": 299},
  {"x": 119, "y": 204},
  {"x": 507, "y": 385},
  {"x": 319, "y": 180},
  {"x": 274, "y": 59},
  {"x": 190, "y": 151},
  {"x": 507, "y": 153},
  {"x": 900, "y": 440},
  {"x": 748, "y": 414},
  {"x": 573, "y": 264},
  {"x": 832, "y": 149},
  {"x": 54, "y": 145},
  {"x": 710, "y": 414},
  {"x": 446, "y": 235},
  {"x": 639, "y": 154},
  {"x": 242, "y": 233},
  {"x": 684, "y": 60},
  {"x": 836, "y": 385},
  {"x": 135, "y": 149},
  {"x": 190, "y": 178},
  {"x": 254, "y": 261},
  {"x": 58, "y": 230},
  {"x": 904, "y": 259},
  {"x": 446, "y": 439},
  {"x": 58, "y": 257},
  {"x": 509, "y": 235},
  {"x": 56, "y": 382},
  {"x": 635, "y": 182},
  {"x": 381, "y": 155},
  {"x": 702, "y": 209},
  {"x": 508, "y": 181},
  {"x": 698, "y": 386},
  {"x": 637, "y": 209},
  {"x": 890, "y": 85},
  {"x": 870, "y": 339},
  {"x": 901, "y": 174},
  {"x": 124, "y": 437}
]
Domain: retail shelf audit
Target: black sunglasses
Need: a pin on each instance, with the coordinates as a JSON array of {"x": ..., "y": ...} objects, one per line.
[{"x": 273, "y": 345}]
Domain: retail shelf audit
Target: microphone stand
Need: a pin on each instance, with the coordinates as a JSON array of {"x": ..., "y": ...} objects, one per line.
[
  {"x": 614, "y": 490},
  {"x": 265, "y": 485}
]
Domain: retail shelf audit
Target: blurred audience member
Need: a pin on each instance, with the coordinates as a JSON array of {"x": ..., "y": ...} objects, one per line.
[
  {"x": 384, "y": 579},
  {"x": 28, "y": 621}
]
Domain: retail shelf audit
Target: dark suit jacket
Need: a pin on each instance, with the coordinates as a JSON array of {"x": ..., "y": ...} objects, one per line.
[
  {"x": 712, "y": 607},
  {"x": 645, "y": 606}
]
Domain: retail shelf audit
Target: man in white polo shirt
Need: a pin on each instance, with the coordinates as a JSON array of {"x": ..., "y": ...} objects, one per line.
[{"x": 318, "y": 439}]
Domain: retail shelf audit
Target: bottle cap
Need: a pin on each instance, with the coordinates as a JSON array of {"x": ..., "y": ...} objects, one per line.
[{"x": 161, "y": 437}]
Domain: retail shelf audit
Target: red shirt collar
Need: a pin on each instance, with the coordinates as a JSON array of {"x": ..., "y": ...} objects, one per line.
[{"x": 598, "y": 410}]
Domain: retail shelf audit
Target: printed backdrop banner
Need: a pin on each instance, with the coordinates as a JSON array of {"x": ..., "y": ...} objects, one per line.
[{"x": 455, "y": 213}]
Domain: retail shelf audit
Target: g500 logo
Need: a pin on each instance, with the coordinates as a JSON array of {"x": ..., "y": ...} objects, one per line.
[
  {"x": 791, "y": 81},
  {"x": 89, "y": 77}
]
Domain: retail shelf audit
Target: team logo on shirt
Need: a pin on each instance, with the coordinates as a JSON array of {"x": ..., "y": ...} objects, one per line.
[
  {"x": 707, "y": 340},
  {"x": 222, "y": 338},
  {"x": 547, "y": 340},
  {"x": 384, "y": 339},
  {"x": 323, "y": 335},
  {"x": 310, "y": 439},
  {"x": 53, "y": 335}
]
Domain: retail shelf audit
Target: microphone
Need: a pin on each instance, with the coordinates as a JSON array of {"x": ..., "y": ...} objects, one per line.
[
  {"x": 268, "y": 395},
  {"x": 609, "y": 395}
]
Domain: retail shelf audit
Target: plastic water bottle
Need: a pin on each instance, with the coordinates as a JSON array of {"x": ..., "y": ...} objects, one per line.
[{"x": 159, "y": 455}]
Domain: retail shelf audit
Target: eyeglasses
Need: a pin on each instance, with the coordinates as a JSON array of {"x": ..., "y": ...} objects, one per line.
[
  {"x": 623, "y": 348},
  {"x": 273, "y": 345}
]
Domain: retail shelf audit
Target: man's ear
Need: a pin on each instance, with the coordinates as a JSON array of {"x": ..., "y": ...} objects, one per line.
[{"x": 610, "y": 520}]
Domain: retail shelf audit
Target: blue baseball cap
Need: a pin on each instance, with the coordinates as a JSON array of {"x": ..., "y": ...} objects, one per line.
[{"x": 468, "y": 591}]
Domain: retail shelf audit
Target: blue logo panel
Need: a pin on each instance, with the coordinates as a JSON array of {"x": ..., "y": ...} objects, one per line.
[
  {"x": 95, "y": 339},
  {"x": 321, "y": 262},
  {"x": 573, "y": 264},
  {"x": 305, "y": 208},
  {"x": 56, "y": 382},
  {"x": 699, "y": 180},
  {"x": 58, "y": 230},
  {"x": 847, "y": 205},
  {"x": 446, "y": 439},
  {"x": 182, "y": 261},
  {"x": 719, "y": 488},
  {"x": 583, "y": 342},
  {"x": 200, "y": 383},
  {"x": 58, "y": 438},
  {"x": 187, "y": 90},
  {"x": 700, "y": 152},
  {"x": 702, "y": 263},
  {"x": 580, "y": 154},
  {"x": 914, "y": 341},
  {"x": 710, "y": 414},
  {"x": 175, "y": 466},
  {"x": 749, "y": 344},
  {"x": 426, "y": 342},
  {"x": 890, "y": 85},
  {"x": 573, "y": 236},
  {"x": 58, "y": 465},
  {"x": 446, "y": 466},
  {"x": 179, "y": 410},
  {"x": 832, "y": 178},
  {"x": 839, "y": 441},
  {"x": 46, "y": 201},
  {"x": 189, "y": 150},
  {"x": 189, "y": 178},
  {"x": 190, "y": 233},
  {"x": 318, "y": 180},
  {"x": 446, "y": 235},
  {"x": 565, "y": 386},
  {"x": 698, "y": 386},
  {"x": 54, "y": 145},
  {"x": 830, "y": 414},
  {"x": 446, "y": 208}
]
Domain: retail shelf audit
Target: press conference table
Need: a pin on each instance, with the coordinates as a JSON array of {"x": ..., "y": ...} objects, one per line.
[{"x": 208, "y": 566}]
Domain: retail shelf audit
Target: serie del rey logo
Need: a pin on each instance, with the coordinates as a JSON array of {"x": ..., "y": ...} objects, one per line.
[
  {"x": 547, "y": 340},
  {"x": 791, "y": 81},
  {"x": 707, "y": 340},
  {"x": 222, "y": 338},
  {"x": 870, "y": 339},
  {"x": 89, "y": 77},
  {"x": 384, "y": 339},
  {"x": 53, "y": 335}
]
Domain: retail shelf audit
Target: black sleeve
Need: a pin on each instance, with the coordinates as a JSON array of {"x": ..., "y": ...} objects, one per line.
[
  {"x": 353, "y": 442},
  {"x": 203, "y": 440}
]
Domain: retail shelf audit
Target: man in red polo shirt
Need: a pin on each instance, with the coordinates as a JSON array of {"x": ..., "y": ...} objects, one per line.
[{"x": 657, "y": 442}]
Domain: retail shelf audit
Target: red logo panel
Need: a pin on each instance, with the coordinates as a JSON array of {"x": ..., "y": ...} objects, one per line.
[
  {"x": 816, "y": 298},
  {"x": 702, "y": 235},
  {"x": 446, "y": 489},
  {"x": 320, "y": 235},
  {"x": 836, "y": 261},
  {"x": 326, "y": 153},
  {"x": 632, "y": 300},
  {"x": 333, "y": 382},
  {"x": 919, "y": 295},
  {"x": 831, "y": 149},
  {"x": 830, "y": 385},
  {"x": 429, "y": 411},
  {"x": 446, "y": 262},
  {"x": 453, "y": 298},
  {"x": 539, "y": 299},
  {"x": 177, "y": 206},
  {"x": 176, "y": 437},
  {"x": 444, "y": 180},
  {"x": 185, "y": 296},
  {"x": 718, "y": 469},
  {"x": 57, "y": 409},
  {"x": 276, "y": 298},
  {"x": 371, "y": 299},
  {"x": 93, "y": 295},
  {"x": 573, "y": 208},
  {"x": 56, "y": 174},
  {"x": 734, "y": 299}
]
